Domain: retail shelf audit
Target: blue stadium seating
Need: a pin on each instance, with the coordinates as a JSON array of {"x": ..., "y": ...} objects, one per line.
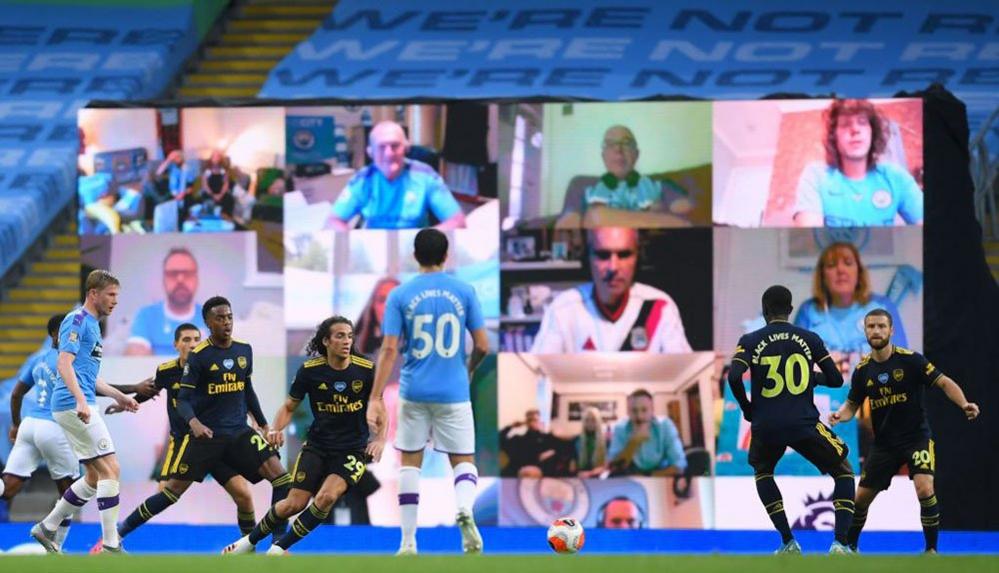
[{"x": 54, "y": 59}]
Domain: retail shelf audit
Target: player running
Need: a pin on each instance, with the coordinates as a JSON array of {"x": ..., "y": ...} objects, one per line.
[
  {"x": 168, "y": 377},
  {"x": 76, "y": 389},
  {"x": 35, "y": 434},
  {"x": 334, "y": 455},
  {"x": 781, "y": 359},
  {"x": 425, "y": 319},
  {"x": 895, "y": 379},
  {"x": 214, "y": 397}
]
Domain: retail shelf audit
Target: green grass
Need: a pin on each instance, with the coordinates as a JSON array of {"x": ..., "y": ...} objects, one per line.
[{"x": 512, "y": 564}]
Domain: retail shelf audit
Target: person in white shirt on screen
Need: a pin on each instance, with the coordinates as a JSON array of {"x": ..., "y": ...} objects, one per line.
[{"x": 613, "y": 313}]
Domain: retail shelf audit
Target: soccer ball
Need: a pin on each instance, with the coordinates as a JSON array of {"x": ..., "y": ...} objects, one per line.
[{"x": 566, "y": 535}]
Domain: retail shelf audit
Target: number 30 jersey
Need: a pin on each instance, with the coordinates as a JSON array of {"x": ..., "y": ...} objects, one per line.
[
  {"x": 781, "y": 358},
  {"x": 429, "y": 314}
]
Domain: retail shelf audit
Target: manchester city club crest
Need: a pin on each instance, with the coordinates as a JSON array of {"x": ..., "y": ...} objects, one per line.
[
  {"x": 883, "y": 378},
  {"x": 639, "y": 338},
  {"x": 241, "y": 360},
  {"x": 227, "y": 363},
  {"x": 304, "y": 139},
  {"x": 339, "y": 385},
  {"x": 897, "y": 374},
  {"x": 357, "y": 386}
]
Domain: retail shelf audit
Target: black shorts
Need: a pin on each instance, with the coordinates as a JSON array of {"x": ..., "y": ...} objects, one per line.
[
  {"x": 820, "y": 445},
  {"x": 243, "y": 454},
  {"x": 883, "y": 463},
  {"x": 221, "y": 471},
  {"x": 313, "y": 466}
]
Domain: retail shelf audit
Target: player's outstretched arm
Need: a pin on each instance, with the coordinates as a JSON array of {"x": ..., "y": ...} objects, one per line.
[
  {"x": 125, "y": 402},
  {"x": 845, "y": 413},
  {"x": 735, "y": 372},
  {"x": 377, "y": 415},
  {"x": 956, "y": 395},
  {"x": 143, "y": 390},
  {"x": 281, "y": 420}
]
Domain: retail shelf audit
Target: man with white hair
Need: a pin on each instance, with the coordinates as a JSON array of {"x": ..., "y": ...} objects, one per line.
[{"x": 395, "y": 192}]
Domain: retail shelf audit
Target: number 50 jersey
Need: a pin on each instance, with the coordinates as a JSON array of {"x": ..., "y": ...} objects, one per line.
[
  {"x": 429, "y": 314},
  {"x": 781, "y": 358}
]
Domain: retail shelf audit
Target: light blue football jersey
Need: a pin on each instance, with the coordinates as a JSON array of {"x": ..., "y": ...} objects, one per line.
[
  {"x": 40, "y": 376},
  {"x": 80, "y": 335},
  {"x": 429, "y": 314}
]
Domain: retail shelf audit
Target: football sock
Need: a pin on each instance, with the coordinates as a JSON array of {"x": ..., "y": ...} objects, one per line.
[
  {"x": 279, "y": 491},
  {"x": 246, "y": 521},
  {"x": 929, "y": 514},
  {"x": 75, "y": 497},
  {"x": 409, "y": 502},
  {"x": 859, "y": 520},
  {"x": 843, "y": 493},
  {"x": 306, "y": 522},
  {"x": 466, "y": 477},
  {"x": 107, "y": 505},
  {"x": 769, "y": 494},
  {"x": 266, "y": 526},
  {"x": 154, "y": 505}
]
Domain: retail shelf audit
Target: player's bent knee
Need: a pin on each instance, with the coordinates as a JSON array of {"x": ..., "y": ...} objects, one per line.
[{"x": 11, "y": 486}]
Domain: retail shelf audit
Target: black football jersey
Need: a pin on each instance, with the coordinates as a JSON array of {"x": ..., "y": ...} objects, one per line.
[
  {"x": 339, "y": 401},
  {"x": 895, "y": 389}
]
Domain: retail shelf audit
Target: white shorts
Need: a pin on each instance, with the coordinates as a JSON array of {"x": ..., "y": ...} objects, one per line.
[
  {"x": 89, "y": 441},
  {"x": 450, "y": 425},
  {"x": 39, "y": 440}
]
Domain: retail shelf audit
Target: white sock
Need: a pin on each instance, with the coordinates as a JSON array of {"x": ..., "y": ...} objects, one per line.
[
  {"x": 466, "y": 478},
  {"x": 63, "y": 530},
  {"x": 3, "y": 487},
  {"x": 75, "y": 497},
  {"x": 409, "y": 502},
  {"x": 107, "y": 504}
]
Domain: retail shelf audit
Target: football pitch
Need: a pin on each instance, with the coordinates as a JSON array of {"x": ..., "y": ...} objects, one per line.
[{"x": 515, "y": 564}]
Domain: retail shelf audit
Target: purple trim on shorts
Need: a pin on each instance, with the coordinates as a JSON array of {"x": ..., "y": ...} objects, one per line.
[
  {"x": 73, "y": 499},
  {"x": 407, "y": 451},
  {"x": 455, "y": 453},
  {"x": 409, "y": 498},
  {"x": 466, "y": 477},
  {"x": 88, "y": 460},
  {"x": 106, "y": 502}
]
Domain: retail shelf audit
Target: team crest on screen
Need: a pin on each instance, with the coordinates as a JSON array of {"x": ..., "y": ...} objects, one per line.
[
  {"x": 241, "y": 360},
  {"x": 300, "y": 477},
  {"x": 304, "y": 139},
  {"x": 897, "y": 374},
  {"x": 357, "y": 386},
  {"x": 639, "y": 338},
  {"x": 545, "y": 497},
  {"x": 228, "y": 363},
  {"x": 339, "y": 385},
  {"x": 883, "y": 378},
  {"x": 73, "y": 336},
  {"x": 182, "y": 468},
  {"x": 103, "y": 444}
]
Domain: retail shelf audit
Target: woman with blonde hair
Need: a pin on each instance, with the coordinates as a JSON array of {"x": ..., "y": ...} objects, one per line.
[
  {"x": 841, "y": 296},
  {"x": 591, "y": 445}
]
